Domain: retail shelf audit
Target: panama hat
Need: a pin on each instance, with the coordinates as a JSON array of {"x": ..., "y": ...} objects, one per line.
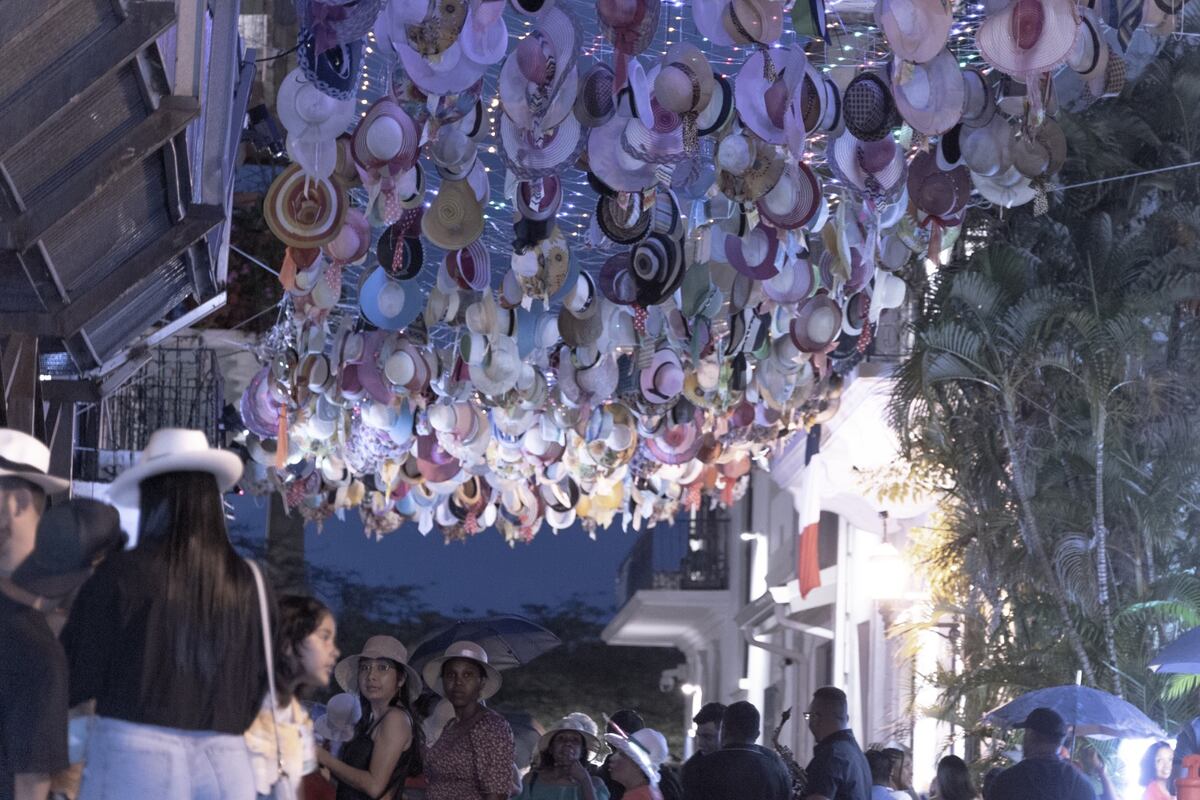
[
  {"x": 175, "y": 450},
  {"x": 1029, "y": 36},
  {"x": 346, "y": 671},
  {"x": 303, "y": 211},
  {"x": 23, "y": 456},
  {"x": 471, "y": 652},
  {"x": 915, "y": 29},
  {"x": 930, "y": 96},
  {"x": 720, "y": 111},
  {"x": 647, "y": 748}
]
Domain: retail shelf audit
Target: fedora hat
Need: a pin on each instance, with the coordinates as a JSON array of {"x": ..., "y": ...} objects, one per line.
[
  {"x": 471, "y": 652},
  {"x": 342, "y": 713},
  {"x": 175, "y": 450},
  {"x": 594, "y": 102},
  {"x": 346, "y": 671},
  {"x": 303, "y": 211},
  {"x": 23, "y": 456},
  {"x": 868, "y": 108},
  {"x": 71, "y": 537}
]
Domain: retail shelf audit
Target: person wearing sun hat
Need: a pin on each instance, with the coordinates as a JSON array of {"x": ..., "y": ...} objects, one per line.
[
  {"x": 166, "y": 637},
  {"x": 387, "y": 742},
  {"x": 564, "y": 753},
  {"x": 636, "y": 761},
  {"x": 473, "y": 757}
]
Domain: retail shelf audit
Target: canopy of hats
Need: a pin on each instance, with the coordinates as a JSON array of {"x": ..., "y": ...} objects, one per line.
[{"x": 555, "y": 260}]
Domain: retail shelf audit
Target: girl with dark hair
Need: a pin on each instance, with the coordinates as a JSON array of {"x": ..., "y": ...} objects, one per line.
[
  {"x": 305, "y": 635},
  {"x": 953, "y": 781},
  {"x": 564, "y": 753},
  {"x": 386, "y": 748},
  {"x": 1156, "y": 771},
  {"x": 166, "y": 638}
]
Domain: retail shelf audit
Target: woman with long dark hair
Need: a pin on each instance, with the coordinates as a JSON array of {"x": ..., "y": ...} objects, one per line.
[
  {"x": 1157, "y": 764},
  {"x": 564, "y": 754},
  {"x": 305, "y": 635},
  {"x": 166, "y": 637},
  {"x": 953, "y": 781},
  {"x": 386, "y": 748}
]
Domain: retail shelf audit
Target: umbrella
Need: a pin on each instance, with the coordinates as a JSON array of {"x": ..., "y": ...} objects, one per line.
[
  {"x": 1091, "y": 711},
  {"x": 527, "y": 732},
  {"x": 509, "y": 640},
  {"x": 1181, "y": 655}
]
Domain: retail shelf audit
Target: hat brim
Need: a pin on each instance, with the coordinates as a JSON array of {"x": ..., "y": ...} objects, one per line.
[
  {"x": 432, "y": 673},
  {"x": 595, "y": 747},
  {"x": 635, "y": 754},
  {"x": 346, "y": 674},
  {"x": 223, "y": 465},
  {"x": 49, "y": 483}
]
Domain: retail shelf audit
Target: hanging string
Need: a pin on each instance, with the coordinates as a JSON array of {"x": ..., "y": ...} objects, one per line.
[{"x": 1114, "y": 178}]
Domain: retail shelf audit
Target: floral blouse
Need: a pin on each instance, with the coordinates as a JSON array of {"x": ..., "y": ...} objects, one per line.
[{"x": 471, "y": 760}]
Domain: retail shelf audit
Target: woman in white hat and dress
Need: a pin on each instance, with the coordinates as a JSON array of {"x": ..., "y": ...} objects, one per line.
[
  {"x": 166, "y": 638},
  {"x": 386, "y": 748},
  {"x": 563, "y": 754},
  {"x": 472, "y": 759}
]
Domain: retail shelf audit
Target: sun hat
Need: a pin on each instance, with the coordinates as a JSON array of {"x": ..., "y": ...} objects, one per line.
[
  {"x": 334, "y": 71},
  {"x": 706, "y": 15},
  {"x": 629, "y": 25},
  {"x": 310, "y": 114},
  {"x": 1009, "y": 188},
  {"x": 753, "y": 255},
  {"x": 794, "y": 199},
  {"x": 661, "y": 380},
  {"x": 1029, "y": 36},
  {"x": 594, "y": 102},
  {"x": 388, "y": 303},
  {"x": 720, "y": 111},
  {"x": 611, "y": 164},
  {"x": 70, "y": 537},
  {"x": 386, "y": 135},
  {"x": 942, "y": 193},
  {"x": 538, "y": 80},
  {"x": 872, "y": 168},
  {"x": 930, "y": 96},
  {"x": 342, "y": 713},
  {"x": 303, "y": 211},
  {"x": 747, "y": 167},
  {"x": 753, "y": 22},
  {"x": 987, "y": 151},
  {"x": 915, "y": 29},
  {"x": 175, "y": 450},
  {"x": 979, "y": 102},
  {"x": 334, "y": 22},
  {"x": 23, "y": 456},
  {"x": 817, "y": 323},
  {"x": 647, "y": 748},
  {"x": 684, "y": 84},
  {"x": 380, "y": 646},
  {"x": 455, "y": 219},
  {"x": 529, "y": 155},
  {"x": 868, "y": 108},
  {"x": 763, "y": 104},
  {"x": 484, "y": 37},
  {"x": 470, "y": 651},
  {"x": 438, "y": 29},
  {"x": 447, "y": 73}
]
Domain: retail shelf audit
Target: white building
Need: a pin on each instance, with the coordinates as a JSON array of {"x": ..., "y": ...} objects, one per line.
[{"x": 724, "y": 591}]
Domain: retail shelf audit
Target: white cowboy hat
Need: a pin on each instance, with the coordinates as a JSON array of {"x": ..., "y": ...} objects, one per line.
[
  {"x": 647, "y": 748},
  {"x": 175, "y": 450},
  {"x": 432, "y": 671},
  {"x": 346, "y": 671},
  {"x": 22, "y": 456}
]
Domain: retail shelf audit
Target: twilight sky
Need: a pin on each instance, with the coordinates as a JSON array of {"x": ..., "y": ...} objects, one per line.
[{"x": 480, "y": 574}]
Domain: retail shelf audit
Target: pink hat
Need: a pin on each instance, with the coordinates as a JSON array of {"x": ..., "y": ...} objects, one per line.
[{"x": 1029, "y": 36}]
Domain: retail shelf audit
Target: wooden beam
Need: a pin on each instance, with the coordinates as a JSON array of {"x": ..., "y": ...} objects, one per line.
[
  {"x": 61, "y": 438},
  {"x": 67, "y": 391},
  {"x": 20, "y": 382},
  {"x": 63, "y": 84},
  {"x": 16, "y": 18},
  {"x": 146, "y": 138}
]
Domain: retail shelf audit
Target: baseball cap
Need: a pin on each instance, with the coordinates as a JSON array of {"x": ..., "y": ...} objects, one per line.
[{"x": 1045, "y": 721}]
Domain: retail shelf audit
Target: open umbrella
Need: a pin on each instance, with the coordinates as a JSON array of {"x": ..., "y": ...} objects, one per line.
[
  {"x": 1091, "y": 711},
  {"x": 509, "y": 640},
  {"x": 1181, "y": 655}
]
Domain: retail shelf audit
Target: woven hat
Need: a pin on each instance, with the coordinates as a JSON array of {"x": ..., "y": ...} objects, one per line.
[
  {"x": 753, "y": 21},
  {"x": 930, "y": 96},
  {"x": 385, "y": 136},
  {"x": 629, "y": 25},
  {"x": 531, "y": 156},
  {"x": 763, "y": 104},
  {"x": 868, "y": 108},
  {"x": 647, "y": 748},
  {"x": 594, "y": 103},
  {"x": 817, "y": 324},
  {"x": 538, "y": 80},
  {"x": 303, "y": 211},
  {"x": 747, "y": 168},
  {"x": 915, "y": 29},
  {"x": 794, "y": 200},
  {"x": 484, "y": 37},
  {"x": 874, "y": 168},
  {"x": 720, "y": 110},
  {"x": 346, "y": 671},
  {"x": 1029, "y": 36},
  {"x": 455, "y": 219},
  {"x": 940, "y": 193},
  {"x": 334, "y": 71},
  {"x": 611, "y": 164},
  {"x": 979, "y": 103}
]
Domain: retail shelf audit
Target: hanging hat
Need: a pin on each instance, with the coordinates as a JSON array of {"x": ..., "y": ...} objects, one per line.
[
  {"x": 624, "y": 220},
  {"x": 342, "y": 713},
  {"x": 915, "y": 29},
  {"x": 943, "y": 194},
  {"x": 400, "y": 254},
  {"x": 333, "y": 23},
  {"x": 987, "y": 150},
  {"x": 794, "y": 199},
  {"x": 387, "y": 303},
  {"x": 658, "y": 267},
  {"x": 867, "y": 107},
  {"x": 720, "y": 111},
  {"x": 629, "y": 25},
  {"x": 949, "y": 151},
  {"x": 579, "y": 320},
  {"x": 747, "y": 168},
  {"x": 661, "y": 380},
  {"x": 438, "y": 30},
  {"x": 484, "y": 37},
  {"x": 594, "y": 102},
  {"x": 346, "y": 671},
  {"x": 753, "y": 21},
  {"x": 455, "y": 219},
  {"x": 753, "y": 255},
  {"x": 979, "y": 103},
  {"x": 874, "y": 168},
  {"x": 308, "y": 113},
  {"x": 930, "y": 96},
  {"x": 447, "y": 73},
  {"x": 706, "y": 15},
  {"x": 531, "y": 156},
  {"x": 538, "y": 80},
  {"x": 385, "y": 135},
  {"x": 610, "y": 163},
  {"x": 763, "y": 104},
  {"x": 303, "y": 211},
  {"x": 1090, "y": 54},
  {"x": 1008, "y": 189},
  {"x": 817, "y": 324},
  {"x": 175, "y": 450},
  {"x": 470, "y": 651},
  {"x": 334, "y": 71},
  {"x": 1029, "y": 36}
]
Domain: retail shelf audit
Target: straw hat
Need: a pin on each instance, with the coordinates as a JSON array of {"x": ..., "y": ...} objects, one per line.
[
  {"x": 471, "y": 652},
  {"x": 346, "y": 671},
  {"x": 303, "y": 211},
  {"x": 1029, "y": 36},
  {"x": 174, "y": 450},
  {"x": 915, "y": 29}
]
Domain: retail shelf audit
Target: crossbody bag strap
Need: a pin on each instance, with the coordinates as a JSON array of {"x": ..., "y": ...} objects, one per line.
[{"x": 265, "y": 619}]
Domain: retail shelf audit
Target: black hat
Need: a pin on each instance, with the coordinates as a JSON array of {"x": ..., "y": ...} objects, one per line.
[
  {"x": 1045, "y": 721},
  {"x": 71, "y": 537}
]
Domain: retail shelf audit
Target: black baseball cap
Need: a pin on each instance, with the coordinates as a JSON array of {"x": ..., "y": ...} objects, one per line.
[
  {"x": 1045, "y": 721},
  {"x": 71, "y": 538}
]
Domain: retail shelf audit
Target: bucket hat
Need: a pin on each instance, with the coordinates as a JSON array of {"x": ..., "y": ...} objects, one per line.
[
  {"x": 175, "y": 450},
  {"x": 346, "y": 671},
  {"x": 471, "y": 652}
]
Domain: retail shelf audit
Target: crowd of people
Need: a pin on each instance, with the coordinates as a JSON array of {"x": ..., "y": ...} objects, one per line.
[{"x": 170, "y": 670}]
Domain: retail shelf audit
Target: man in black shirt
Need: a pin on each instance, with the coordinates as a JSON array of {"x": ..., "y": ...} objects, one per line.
[
  {"x": 1041, "y": 774},
  {"x": 708, "y": 735},
  {"x": 740, "y": 769},
  {"x": 838, "y": 770}
]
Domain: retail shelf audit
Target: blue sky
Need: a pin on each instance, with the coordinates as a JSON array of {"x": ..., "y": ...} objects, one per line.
[{"x": 481, "y": 574}]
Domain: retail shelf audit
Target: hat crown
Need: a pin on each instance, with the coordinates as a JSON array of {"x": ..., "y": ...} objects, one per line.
[
  {"x": 468, "y": 650},
  {"x": 383, "y": 646},
  {"x": 172, "y": 441},
  {"x": 22, "y": 449}
]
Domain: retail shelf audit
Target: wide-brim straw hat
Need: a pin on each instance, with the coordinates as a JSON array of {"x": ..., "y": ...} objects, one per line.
[
  {"x": 556, "y": 29},
  {"x": 794, "y": 200},
  {"x": 548, "y": 154},
  {"x": 470, "y": 651},
  {"x": 303, "y": 211},
  {"x": 385, "y": 136},
  {"x": 1029, "y": 36},
  {"x": 942, "y": 193},
  {"x": 175, "y": 450},
  {"x": 868, "y": 167},
  {"x": 915, "y": 29},
  {"x": 817, "y": 323},
  {"x": 455, "y": 219},
  {"x": 346, "y": 671},
  {"x": 611, "y": 164},
  {"x": 388, "y": 303},
  {"x": 930, "y": 96}
]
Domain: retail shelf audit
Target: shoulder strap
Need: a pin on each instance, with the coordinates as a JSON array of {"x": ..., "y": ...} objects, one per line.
[{"x": 265, "y": 620}]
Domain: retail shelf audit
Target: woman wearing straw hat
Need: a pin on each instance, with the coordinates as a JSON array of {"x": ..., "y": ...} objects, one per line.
[
  {"x": 166, "y": 637},
  {"x": 473, "y": 757},
  {"x": 387, "y": 742},
  {"x": 564, "y": 753}
]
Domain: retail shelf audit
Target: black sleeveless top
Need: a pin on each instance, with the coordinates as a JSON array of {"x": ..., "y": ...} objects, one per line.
[{"x": 357, "y": 753}]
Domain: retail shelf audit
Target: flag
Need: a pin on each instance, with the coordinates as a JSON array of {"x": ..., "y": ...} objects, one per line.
[{"x": 808, "y": 549}]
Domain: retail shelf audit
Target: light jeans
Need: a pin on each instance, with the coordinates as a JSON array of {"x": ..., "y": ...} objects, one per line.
[{"x": 130, "y": 761}]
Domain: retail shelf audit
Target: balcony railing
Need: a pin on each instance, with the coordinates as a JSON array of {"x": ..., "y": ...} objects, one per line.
[{"x": 690, "y": 553}]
